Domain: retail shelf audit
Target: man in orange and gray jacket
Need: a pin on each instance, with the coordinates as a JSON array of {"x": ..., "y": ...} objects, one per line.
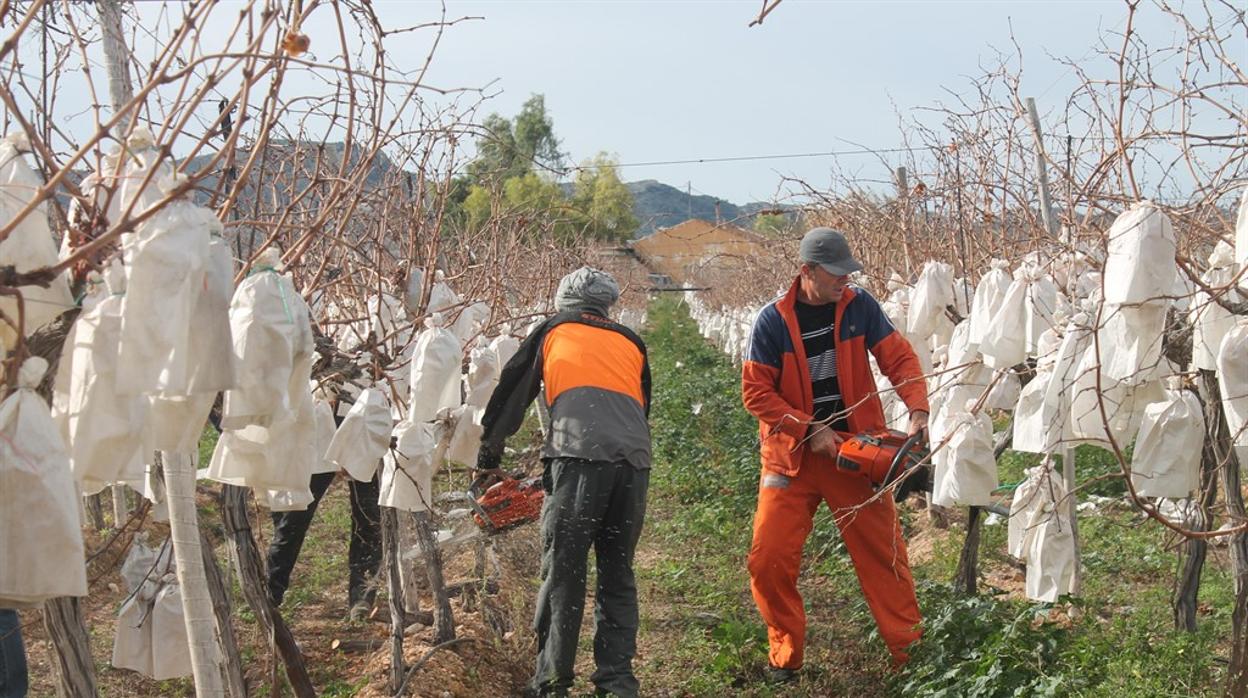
[
  {"x": 806, "y": 378},
  {"x": 597, "y": 471}
]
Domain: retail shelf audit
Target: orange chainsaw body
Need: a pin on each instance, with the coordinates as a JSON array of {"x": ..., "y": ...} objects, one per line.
[
  {"x": 872, "y": 455},
  {"x": 509, "y": 503}
]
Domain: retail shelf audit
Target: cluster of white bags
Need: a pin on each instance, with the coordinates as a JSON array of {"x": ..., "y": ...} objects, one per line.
[
  {"x": 726, "y": 328},
  {"x": 1210, "y": 321},
  {"x": 1233, "y": 384},
  {"x": 269, "y": 440},
  {"x": 932, "y": 293},
  {"x": 41, "y": 551},
  {"x": 428, "y": 374},
  {"x": 1049, "y": 544},
  {"x": 965, "y": 472},
  {"x": 151, "y": 349},
  {"x": 29, "y": 246},
  {"x": 1166, "y": 460},
  {"x": 151, "y": 632},
  {"x": 103, "y": 430},
  {"x": 363, "y": 437},
  {"x": 407, "y": 469},
  {"x": 435, "y": 372},
  {"x": 407, "y": 472},
  {"x": 1040, "y": 534},
  {"x": 483, "y": 374}
]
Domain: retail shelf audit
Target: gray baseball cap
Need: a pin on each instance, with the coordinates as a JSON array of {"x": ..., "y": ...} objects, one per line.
[{"x": 830, "y": 250}]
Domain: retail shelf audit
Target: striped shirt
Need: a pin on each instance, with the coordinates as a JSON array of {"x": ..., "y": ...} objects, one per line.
[{"x": 817, "y": 325}]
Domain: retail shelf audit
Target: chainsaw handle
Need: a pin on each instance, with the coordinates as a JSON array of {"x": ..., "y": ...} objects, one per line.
[
  {"x": 483, "y": 480},
  {"x": 902, "y": 452}
]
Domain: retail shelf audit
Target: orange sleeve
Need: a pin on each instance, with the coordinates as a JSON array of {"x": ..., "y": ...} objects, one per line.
[
  {"x": 761, "y": 395},
  {"x": 900, "y": 364}
]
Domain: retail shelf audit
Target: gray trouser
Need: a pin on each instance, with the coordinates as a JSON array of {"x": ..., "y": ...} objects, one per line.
[{"x": 600, "y": 504}]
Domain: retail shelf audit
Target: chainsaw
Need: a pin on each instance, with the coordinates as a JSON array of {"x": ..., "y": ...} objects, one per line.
[
  {"x": 505, "y": 504},
  {"x": 884, "y": 457}
]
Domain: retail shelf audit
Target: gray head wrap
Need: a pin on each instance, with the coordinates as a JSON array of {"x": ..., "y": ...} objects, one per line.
[{"x": 587, "y": 289}]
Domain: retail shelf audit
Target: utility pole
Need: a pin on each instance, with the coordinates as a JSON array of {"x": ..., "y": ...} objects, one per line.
[
  {"x": 1068, "y": 236},
  {"x": 903, "y": 200},
  {"x": 1042, "y": 173},
  {"x": 117, "y": 61}
]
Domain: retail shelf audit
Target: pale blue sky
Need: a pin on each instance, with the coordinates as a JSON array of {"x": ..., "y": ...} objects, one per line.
[
  {"x": 674, "y": 80},
  {"x": 685, "y": 79}
]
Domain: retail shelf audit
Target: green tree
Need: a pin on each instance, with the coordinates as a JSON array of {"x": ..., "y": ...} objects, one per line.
[
  {"x": 771, "y": 224},
  {"x": 604, "y": 204},
  {"x": 478, "y": 206},
  {"x": 529, "y": 201},
  {"x": 511, "y": 181},
  {"x": 535, "y": 135},
  {"x": 510, "y": 149}
]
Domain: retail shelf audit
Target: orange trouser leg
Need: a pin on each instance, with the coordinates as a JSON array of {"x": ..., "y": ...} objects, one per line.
[
  {"x": 872, "y": 535},
  {"x": 782, "y": 521}
]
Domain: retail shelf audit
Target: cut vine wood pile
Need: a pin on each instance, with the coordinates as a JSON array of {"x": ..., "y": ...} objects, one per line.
[
  {"x": 495, "y": 660},
  {"x": 495, "y": 656}
]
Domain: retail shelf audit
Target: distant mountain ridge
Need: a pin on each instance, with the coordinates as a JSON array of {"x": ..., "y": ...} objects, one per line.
[{"x": 657, "y": 205}]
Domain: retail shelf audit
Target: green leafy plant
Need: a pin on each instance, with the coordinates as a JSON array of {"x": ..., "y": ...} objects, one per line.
[{"x": 740, "y": 647}]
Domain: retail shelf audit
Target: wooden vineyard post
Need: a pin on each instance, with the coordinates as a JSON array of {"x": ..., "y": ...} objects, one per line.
[
  {"x": 1237, "y": 672},
  {"x": 390, "y": 546},
  {"x": 966, "y": 578},
  {"x": 1193, "y": 551},
  {"x": 443, "y": 618},
  {"x": 120, "y": 92},
  {"x": 75, "y": 671},
  {"x": 251, "y": 578},
  {"x": 197, "y": 604},
  {"x": 236, "y": 685}
]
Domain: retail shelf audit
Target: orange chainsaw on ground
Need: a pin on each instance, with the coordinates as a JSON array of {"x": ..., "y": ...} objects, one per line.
[
  {"x": 884, "y": 457},
  {"x": 507, "y": 503}
]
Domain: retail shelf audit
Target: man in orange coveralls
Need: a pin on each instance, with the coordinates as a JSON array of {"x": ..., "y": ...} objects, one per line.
[{"x": 806, "y": 377}]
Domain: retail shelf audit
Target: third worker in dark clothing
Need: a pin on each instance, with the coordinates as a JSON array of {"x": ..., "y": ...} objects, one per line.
[
  {"x": 597, "y": 470},
  {"x": 364, "y": 552}
]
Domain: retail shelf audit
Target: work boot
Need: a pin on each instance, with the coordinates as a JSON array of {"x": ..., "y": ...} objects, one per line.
[
  {"x": 360, "y": 601},
  {"x": 359, "y": 611},
  {"x": 775, "y": 676}
]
